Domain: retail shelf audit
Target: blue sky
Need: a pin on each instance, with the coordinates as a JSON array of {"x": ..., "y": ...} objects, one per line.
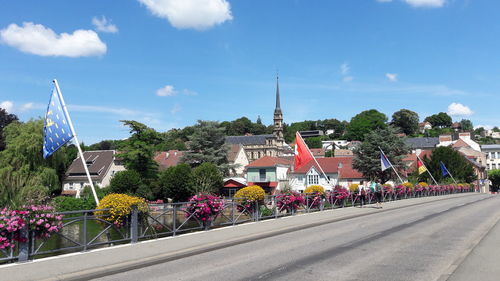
[{"x": 168, "y": 63}]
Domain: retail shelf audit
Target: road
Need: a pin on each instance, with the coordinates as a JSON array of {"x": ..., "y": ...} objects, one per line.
[{"x": 423, "y": 242}]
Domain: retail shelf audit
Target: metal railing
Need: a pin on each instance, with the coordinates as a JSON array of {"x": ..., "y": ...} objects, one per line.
[{"x": 88, "y": 229}]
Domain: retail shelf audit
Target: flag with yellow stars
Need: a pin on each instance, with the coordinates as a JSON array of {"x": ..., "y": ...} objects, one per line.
[{"x": 57, "y": 131}]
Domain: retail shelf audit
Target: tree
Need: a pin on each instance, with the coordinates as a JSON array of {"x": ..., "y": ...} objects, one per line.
[
  {"x": 367, "y": 155},
  {"x": 364, "y": 123},
  {"x": 457, "y": 165},
  {"x": 5, "y": 119},
  {"x": 176, "y": 182},
  {"x": 441, "y": 120},
  {"x": 495, "y": 129},
  {"x": 494, "y": 177},
  {"x": 207, "y": 178},
  {"x": 207, "y": 144},
  {"x": 127, "y": 182},
  {"x": 24, "y": 174},
  {"x": 466, "y": 125},
  {"x": 406, "y": 120},
  {"x": 314, "y": 142},
  {"x": 478, "y": 131},
  {"x": 139, "y": 149}
]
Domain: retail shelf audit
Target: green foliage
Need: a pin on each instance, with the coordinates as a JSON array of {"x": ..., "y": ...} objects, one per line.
[
  {"x": 466, "y": 125},
  {"x": 22, "y": 165},
  {"x": 139, "y": 149},
  {"x": 337, "y": 126},
  {"x": 127, "y": 182},
  {"x": 440, "y": 120},
  {"x": 495, "y": 129},
  {"x": 458, "y": 166},
  {"x": 65, "y": 204},
  {"x": 494, "y": 177},
  {"x": 207, "y": 144},
  {"x": 242, "y": 126},
  {"x": 364, "y": 123},
  {"x": 176, "y": 183},
  {"x": 5, "y": 119},
  {"x": 106, "y": 145},
  {"x": 314, "y": 142},
  {"x": 367, "y": 154},
  {"x": 88, "y": 195},
  {"x": 436, "y": 132},
  {"x": 406, "y": 120},
  {"x": 207, "y": 178}
]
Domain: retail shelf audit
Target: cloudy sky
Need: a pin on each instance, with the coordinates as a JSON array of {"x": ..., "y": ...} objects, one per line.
[{"x": 168, "y": 63}]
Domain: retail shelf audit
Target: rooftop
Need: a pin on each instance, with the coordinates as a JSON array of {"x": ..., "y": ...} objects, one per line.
[{"x": 248, "y": 140}]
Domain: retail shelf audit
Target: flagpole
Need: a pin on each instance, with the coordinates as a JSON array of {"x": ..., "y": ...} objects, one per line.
[
  {"x": 392, "y": 166},
  {"x": 326, "y": 177},
  {"x": 449, "y": 173},
  {"x": 76, "y": 140},
  {"x": 427, "y": 169}
]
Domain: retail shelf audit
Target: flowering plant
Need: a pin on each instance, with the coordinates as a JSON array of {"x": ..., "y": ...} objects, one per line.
[
  {"x": 119, "y": 206},
  {"x": 289, "y": 201},
  {"x": 400, "y": 189},
  {"x": 340, "y": 193},
  {"x": 388, "y": 189},
  {"x": 314, "y": 195},
  {"x": 247, "y": 198},
  {"x": 39, "y": 218},
  {"x": 204, "y": 206}
]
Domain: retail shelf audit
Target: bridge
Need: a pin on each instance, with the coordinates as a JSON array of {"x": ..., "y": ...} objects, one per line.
[{"x": 451, "y": 237}]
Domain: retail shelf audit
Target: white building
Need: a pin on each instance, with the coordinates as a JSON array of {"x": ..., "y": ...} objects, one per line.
[
  {"x": 102, "y": 165},
  {"x": 492, "y": 155}
]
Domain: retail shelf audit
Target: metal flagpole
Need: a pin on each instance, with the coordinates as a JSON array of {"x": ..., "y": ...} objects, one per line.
[
  {"x": 449, "y": 173},
  {"x": 426, "y": 169},
  {"x": 76, "y": 140},
  {"x": 326, "y": 177},
  {"x": 392, "y": 166}
]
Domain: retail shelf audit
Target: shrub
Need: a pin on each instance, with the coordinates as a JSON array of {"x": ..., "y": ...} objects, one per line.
[
  {"x": 177, "y": 183},
  {"x": 315, "y": 189},
  {"x": 207, "y": 178},
  {"x": 204, "y": 207},
  {"x": 353, "y": 187},
  {"x": 248, "y": 196},
  {"x": 65, "y": 204},
  {"x": 120, "y": 206},
  {"x": 125, "y": 182},
  {"x": 290, "y": 201},
  {"x": 339, "y": 193}
]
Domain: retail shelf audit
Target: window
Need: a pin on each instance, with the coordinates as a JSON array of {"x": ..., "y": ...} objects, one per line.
[
  {"x": 70, "y": 185},
  {"x": 312, "y": 179},
  {"x": 262, "y": 175}
]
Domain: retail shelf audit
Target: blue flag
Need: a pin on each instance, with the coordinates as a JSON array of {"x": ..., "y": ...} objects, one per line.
[
  {"x": 444, "y": 171},
  {"x": 56, "y": 129},
  {"x": 384, "y": 162}
]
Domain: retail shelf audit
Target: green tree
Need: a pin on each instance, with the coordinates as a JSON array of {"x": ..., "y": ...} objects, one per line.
[
  {"x": 406, "y": 120},
  {"x": 177, "y": 183},
  {"x": 127, "y": 182},
  {"x": 314, "y": 142},
  {"x": 364, "y": 123},
  {"x": 207, "y": 178},
  {"x": 494, "y": 177},
  {"x": 5, "y": 119},
  {"x": 139, "y": 149},
  {"x": 495, "y": 129},
  {"x": 207, "y": 144},
  {"x": 24, "y": 174},
  {"x": 466, "y": 125},
  {"x": 459, "y": 167},
  {"x": 441, "y": 120},
  {"x": 367, "y": 154}
]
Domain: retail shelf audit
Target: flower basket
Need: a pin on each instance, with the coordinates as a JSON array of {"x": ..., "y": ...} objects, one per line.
[
  {"x": 205, "y": 207},
  {"x": 289, "y": 202}
]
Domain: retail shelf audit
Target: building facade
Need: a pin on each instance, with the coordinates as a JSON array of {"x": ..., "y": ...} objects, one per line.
[{"x": 492, "y": 155}]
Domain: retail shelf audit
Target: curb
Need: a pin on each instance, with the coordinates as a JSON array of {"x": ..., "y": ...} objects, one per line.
[{"x": 112, "y": 269}]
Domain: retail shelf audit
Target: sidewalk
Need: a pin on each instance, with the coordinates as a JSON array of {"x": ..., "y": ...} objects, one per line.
[{"x": 106, "y": 261}]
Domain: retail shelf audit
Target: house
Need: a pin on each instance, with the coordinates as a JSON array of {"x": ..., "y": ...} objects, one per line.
[
  {"x": 492, "y": 155},
  {"x": 311, "y": 133},
  {"x": 268, "y": 172},
  {"x": 343, "y": 153},
  {"x": 232, "y": 185},
  {"x": 424, "y": 126},
  {"x": 338, "y": 171},
  {"x": 102, "y": 165},
  {"x": 335, "y": 144},
  {"x": 318, "y": 152},
  {"x": 422, "y": 143},
  {"x": 166, "y": 159},
  {"x": 456, "y": 126},
  {"x": 410, "y": 160},
  {"x": 237, "y": 158}
]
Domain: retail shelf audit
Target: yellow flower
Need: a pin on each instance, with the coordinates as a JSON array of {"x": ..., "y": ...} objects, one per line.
[
  {"x": 353, "y": 187},
  {"x": 315, "y": 189},
  {"x": 120, "y": 206},
  {"x": 251, "y": 193}
]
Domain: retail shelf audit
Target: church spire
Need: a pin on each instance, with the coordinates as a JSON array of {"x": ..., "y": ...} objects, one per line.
[{"x": 278, "y": 106}]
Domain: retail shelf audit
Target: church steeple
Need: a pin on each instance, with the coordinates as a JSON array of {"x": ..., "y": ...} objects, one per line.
[
  {"x": 278, "y": 106},
  {"x": 278, "y": 117}
]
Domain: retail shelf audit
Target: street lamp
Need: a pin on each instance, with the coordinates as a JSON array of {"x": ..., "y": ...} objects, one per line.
[{"x": 339, "y": 166}]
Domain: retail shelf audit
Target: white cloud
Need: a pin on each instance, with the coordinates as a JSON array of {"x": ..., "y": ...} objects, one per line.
[
  {"x": 344, "y": 68},
  {"x": 426, "y": 3},
  {"x": 458, "y": 109},
  {"x": 27, "y": 106},
  {"x": 347, "y": 78},
  {"x": 102, "y": 24},
  {"x": 393, "y": 77},
  {"x": 7, "y": 105},
  {"x": 166, "y": 91},
  {"x": 195, "y": 14},
  {"x": 175, "y": 109},
  {"x": 38, "y": 40}
]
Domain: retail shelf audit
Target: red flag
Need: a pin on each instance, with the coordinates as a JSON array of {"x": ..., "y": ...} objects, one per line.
[{"x": 302, "y": 152}]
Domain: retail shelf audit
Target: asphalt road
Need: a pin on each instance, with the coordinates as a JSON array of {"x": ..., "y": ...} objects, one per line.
[{"x": 424, "y": 242}]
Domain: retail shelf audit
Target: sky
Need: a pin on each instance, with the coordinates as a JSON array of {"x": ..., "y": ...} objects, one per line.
[{"x": 169, "y": 63}]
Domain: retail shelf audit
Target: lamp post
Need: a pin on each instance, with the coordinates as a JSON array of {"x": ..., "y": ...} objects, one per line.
[{"x": 339, "y": 166}]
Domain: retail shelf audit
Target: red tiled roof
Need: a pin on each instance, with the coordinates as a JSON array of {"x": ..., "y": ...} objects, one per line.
[
  {"x": 330, "y": 166},
  {"x": 317, "y": 151},
  {"x": 167, "y": 159},
  {"x": 460, "y": 143},
  {"x": 233, "y": 152},
  {"x": 268, "y": 161}
]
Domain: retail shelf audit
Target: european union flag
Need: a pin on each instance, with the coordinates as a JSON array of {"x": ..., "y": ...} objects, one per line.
[
  {"x": 444, "y": 171},
  {"x": 57, "y": 131}
]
